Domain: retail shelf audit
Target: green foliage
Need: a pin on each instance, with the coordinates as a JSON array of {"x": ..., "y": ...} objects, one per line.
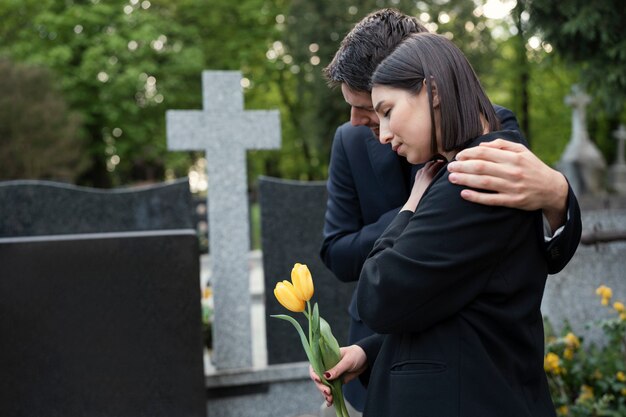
[
  {"x": 39, "y": 136},
  {"x": 593, "y": 35},
  {"x": 589, "y": 381},
  {"x": 121, "y": 63}
]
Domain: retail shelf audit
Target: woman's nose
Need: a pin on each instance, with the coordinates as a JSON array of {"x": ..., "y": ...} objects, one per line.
[{"x": 385, "y": 136}]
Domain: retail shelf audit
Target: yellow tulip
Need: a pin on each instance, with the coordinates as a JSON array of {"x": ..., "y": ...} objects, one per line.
[
  {"x": 302, "y": 281},
  {"x": 619, "y": 307},
  {"x": 287, "y": 295}
]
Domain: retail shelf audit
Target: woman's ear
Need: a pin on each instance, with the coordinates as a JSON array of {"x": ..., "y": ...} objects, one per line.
[{"x": 433, "y": 91}]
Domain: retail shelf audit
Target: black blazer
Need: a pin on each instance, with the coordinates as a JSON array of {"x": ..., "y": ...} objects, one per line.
[{"x": 455, "y": 290}]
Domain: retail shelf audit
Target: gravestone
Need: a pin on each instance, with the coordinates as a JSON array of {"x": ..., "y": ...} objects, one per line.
[
  {"x": 101, "y": 325},
  {"x": 617, "y": 171},
  {"x": 581, "y": 162},
  {"x": 31, "y": 208},
  {"x": 224, "y": 130},
  {"x": 292, "y": 220}
]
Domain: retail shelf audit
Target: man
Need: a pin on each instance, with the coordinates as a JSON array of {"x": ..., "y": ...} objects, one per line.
[{"x": 368, "y": 183}]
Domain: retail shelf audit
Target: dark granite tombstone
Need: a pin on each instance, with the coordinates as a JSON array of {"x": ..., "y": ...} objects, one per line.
[
  {"x": 99, "y": 302},
  {"x": 292, "y": 219},
  {"x": 101, "y": 325},
  {"x": 32, "y": 208}
]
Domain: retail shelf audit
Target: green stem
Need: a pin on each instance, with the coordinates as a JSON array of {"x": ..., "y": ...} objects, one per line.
[
  {"x": 308, "y": 305},
  {"x": 340, "y": 405}
]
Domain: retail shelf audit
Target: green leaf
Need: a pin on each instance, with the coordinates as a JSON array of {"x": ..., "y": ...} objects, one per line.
[
  {"x": 305, "y": 343},
  {"x": 318, "y": 364},
  {"x": 329, "y": 347}
]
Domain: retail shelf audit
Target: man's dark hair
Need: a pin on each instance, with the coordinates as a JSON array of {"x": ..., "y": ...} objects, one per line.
[
  {"x": 367, "y": 44},
  {"x": 431, "y": 60}
]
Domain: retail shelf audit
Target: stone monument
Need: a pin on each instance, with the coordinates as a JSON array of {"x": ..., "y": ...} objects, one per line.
[
  {"x": 581, "y": 162},
  {"x": 238, "y": 386},
  {"x": 292, "y": 220},
  {"x": 100, "y": 303},
  {"x": 617, "y": 171},
  {"x": 224, "y": 130}
]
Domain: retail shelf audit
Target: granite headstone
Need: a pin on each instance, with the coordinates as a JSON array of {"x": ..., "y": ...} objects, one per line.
[
  {"x": 32, "y": 208},
  {"x": 292, "y": 219},
  {"x": 617, "y": 171},
  {"x": 101, "y": 325}
]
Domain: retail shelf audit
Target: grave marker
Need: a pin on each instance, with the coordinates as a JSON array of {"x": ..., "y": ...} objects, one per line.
[{"x": 225, "y": 131}]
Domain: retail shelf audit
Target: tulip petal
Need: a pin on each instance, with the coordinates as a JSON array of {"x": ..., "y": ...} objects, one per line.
[
  {"x": 286, "y": 296},
  {"x": 302, "y": 281}
]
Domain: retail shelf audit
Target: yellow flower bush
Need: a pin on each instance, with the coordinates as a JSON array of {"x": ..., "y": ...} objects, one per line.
[
  {"x": 551, "y": 363},
  {"x": 321, "y": 347},
  {"x": 589, "y": 381},
  {"x": 606, "y": 293}
]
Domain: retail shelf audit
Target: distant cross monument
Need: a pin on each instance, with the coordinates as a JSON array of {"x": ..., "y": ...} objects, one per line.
[
  {"x": 582, "y": 162},
  {"x": 224, "y": 130},
  {"x": 617, "y": 171}
]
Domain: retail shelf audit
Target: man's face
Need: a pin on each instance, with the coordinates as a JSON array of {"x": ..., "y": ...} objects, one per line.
[{"x": 361, "y": 110}]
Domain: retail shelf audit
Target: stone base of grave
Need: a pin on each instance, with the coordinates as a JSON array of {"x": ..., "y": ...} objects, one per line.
[
  {"x": 570, "y": 295},
  {"x": 275, "y": 391}
]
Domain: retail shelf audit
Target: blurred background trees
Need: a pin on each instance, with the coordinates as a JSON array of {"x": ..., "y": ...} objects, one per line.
[{"x": 119, "y": 64}]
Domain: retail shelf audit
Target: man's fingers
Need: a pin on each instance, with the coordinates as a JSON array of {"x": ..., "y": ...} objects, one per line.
[
  {"x": 498, "y": 180},
  {"x": 504, "y": 144},
  {"x": 488, "y": 199},
  {"x": 490, "y": 153}
]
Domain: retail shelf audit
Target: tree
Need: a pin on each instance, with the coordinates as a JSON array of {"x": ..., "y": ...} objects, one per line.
[
  {"x": 592, "y": 35},
  {"x": 39, "y": 136},
  {"x": 121, "y": 64}
]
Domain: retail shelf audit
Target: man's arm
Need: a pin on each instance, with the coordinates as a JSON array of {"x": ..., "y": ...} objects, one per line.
[
  {"x": 516, "y": 178},
  {"x": 347, "y": 239}
]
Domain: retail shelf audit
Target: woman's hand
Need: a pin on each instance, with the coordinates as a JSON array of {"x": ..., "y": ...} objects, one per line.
[
  {"x": 352, "y": 364},
  {"x": 423, "y": 178}
]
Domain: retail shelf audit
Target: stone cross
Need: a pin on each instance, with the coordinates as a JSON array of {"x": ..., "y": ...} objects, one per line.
[
  {"x": 581, "y": 162},
  {"x": 620, "y": 135},
  {"x": 224, "y": 130},
  {"x": 579, "y": 101}
]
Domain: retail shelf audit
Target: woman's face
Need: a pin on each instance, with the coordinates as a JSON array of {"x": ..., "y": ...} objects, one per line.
[{"x": 405, "y": 121}]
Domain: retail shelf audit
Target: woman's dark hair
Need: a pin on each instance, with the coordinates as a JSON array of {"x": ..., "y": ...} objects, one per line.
[{"x": 462, "y": 100}]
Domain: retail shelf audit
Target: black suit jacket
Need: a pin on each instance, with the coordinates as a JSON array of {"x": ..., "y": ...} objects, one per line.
[
  {"x": 367, "y": 186},
  {"x": 455, "y": 291}
]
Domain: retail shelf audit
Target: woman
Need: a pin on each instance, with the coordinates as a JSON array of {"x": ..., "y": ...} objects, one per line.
[{"x": 453, "y": 288}]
